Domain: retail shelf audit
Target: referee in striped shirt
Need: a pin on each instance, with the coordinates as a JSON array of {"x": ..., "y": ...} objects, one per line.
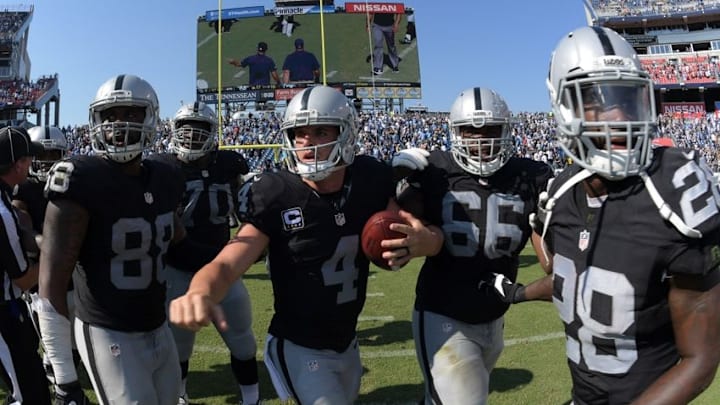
[{"x": 22, "y": 368}]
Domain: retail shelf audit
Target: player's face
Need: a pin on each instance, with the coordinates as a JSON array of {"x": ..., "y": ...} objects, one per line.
[
  {"x": 121, "y": 114},
  {"x": 317, "y": 139},
  {"x": 596, "y": 113},
  {"x": 485, "y": 132},
  {"x": 23, "y": 165},
  {"x": 194, "y": 134}
]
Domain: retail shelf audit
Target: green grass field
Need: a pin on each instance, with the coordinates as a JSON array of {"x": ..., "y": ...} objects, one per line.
[
  {"x": 531, "y": 370},
  {"x": 347, "y": 47}
]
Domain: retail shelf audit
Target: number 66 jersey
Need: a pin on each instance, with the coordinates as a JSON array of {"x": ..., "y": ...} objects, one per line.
[
  {"x": 612, "y": 261},
  {"x": 485, "y": 224}
]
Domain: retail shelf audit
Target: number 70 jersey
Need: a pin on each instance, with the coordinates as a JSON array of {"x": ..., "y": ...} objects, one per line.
[{"x": 611, "y": 264}]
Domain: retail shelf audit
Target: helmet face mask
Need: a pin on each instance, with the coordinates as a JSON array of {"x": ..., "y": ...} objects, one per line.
[
  {"x": 193, "y": 131},
  {"x": 123, "y": 118},
  {"x": 603, "y": 103},
  {"x": 55, "y": 144},
  {"x": 480, "y": 131},
  {"x": 317, "y": 107}
]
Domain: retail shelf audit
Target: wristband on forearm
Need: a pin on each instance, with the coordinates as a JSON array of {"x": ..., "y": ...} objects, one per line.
[
  {"x": 519, "y": 295},
  {"x": 55, "y": 330}
]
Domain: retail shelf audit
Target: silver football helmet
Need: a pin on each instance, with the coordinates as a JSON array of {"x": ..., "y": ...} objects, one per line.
[
  {"x": 320, "y": 105},
  {"x": 56, "y": 147},
  {"x": 122, "y": 140},
  {"x": 193, "y": 131},
  {"x": 603, "y": 102},
  {"x": 485, "y": 154}
]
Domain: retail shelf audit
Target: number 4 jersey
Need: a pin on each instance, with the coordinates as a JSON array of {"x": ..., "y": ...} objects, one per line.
[
  {"x": 612, "y": 260},
  {"x": 119, "y": 282},
  {"x": 318, "y": 271}
]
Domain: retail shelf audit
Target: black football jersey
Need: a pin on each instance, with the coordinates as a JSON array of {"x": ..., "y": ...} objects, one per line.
[
  {"x": 611, "y": 262},
  {"x": 209, "y": 196},
  {"x": 31, "y": 193},
  {"x": 120, "y": 280},
  {"x": 317, "y": 267},
  {"x": 485, "y": 224}
]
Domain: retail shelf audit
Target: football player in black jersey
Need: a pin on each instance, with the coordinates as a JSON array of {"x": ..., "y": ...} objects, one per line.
[
  {"x": 481, "y": 197},
  {"x": 114, "y": 214},
  {"x": 212, "y": 178},
  {"x": 29, "y": 197},
  {"x": 310, "y": 219},
  {"x": 632, "y": 235}
]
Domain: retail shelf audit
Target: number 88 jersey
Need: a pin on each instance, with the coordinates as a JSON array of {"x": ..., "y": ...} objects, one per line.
[
  {"x": 485, "y": 224},
  {"x": 120, "y": 280},
  {"x": 611, "y": 264}
]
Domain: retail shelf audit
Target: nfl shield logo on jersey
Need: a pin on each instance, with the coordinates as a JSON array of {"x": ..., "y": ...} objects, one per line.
[
  {"x": 149, "y": 198},
  {"x": 584, "y": 240},
  {"x": 313, "y": 365},
  {"x": 340, "y": 219},
  {"x": 115, "y": 349}
]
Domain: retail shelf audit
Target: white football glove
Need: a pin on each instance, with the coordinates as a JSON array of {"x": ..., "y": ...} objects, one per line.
[
  {"x": 537, "y": 220},
  {"x": 411, "y": 158}
]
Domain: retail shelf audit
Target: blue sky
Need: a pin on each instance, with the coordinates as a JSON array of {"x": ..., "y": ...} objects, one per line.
[{"x": 501, "y": 44}]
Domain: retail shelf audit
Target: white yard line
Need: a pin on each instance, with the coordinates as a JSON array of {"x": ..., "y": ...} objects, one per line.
[{"x": 381, "y": 354}]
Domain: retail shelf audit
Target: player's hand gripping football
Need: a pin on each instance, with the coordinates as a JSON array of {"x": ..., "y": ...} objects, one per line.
[
  {"x": 420, "y": 240},
  {"x": 194, "y": 311}
]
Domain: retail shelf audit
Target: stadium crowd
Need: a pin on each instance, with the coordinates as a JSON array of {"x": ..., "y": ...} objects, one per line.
[
  {"x": 626, "y": 8},
  {"x": 384, "y": 134}
]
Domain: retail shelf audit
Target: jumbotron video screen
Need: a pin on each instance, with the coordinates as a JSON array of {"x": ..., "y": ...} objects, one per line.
[{"x": 347, "y": 54}]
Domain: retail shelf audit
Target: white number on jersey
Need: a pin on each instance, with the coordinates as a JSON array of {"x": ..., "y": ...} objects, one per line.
[
  {"x": 494, "y": 229},
  {"x": 341, "y": 269},
  {"x": 618, "y": 313},
  {"x": 144, "y": 265}
]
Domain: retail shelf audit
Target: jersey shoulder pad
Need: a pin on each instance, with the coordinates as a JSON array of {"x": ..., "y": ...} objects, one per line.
[
  {"x": 535, "y": 172},
  {"x": 78, "y": 178},
  {"x": 563, "y": 177},
  {"x": 166, "y": 158},
  {"x": 233, "y": 163},
  {"x": 262, "y": 192},
  {"x": 372, "y": 166},
  {"x": 685, "y": 183},
  {"x": 375, "y": 176}
]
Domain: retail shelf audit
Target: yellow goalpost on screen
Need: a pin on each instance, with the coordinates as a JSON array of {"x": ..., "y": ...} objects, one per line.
[
  {"x": 275, "y": 147},
  {"x": 221, "y": 145}
]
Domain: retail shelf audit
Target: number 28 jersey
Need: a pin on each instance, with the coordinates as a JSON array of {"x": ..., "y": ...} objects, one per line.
[
  {"x": 120, "y": 281},
  {"x": 485, "y": 224},
  {"x": 317, "y": 268},
  {"x": 611, "y": 264}
]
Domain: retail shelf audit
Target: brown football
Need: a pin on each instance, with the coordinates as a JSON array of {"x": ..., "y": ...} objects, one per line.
[{"x": 377, "y": 229}]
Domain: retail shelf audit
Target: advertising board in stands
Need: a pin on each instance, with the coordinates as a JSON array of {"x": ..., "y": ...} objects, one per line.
[{"x": 683, "y": 108}]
